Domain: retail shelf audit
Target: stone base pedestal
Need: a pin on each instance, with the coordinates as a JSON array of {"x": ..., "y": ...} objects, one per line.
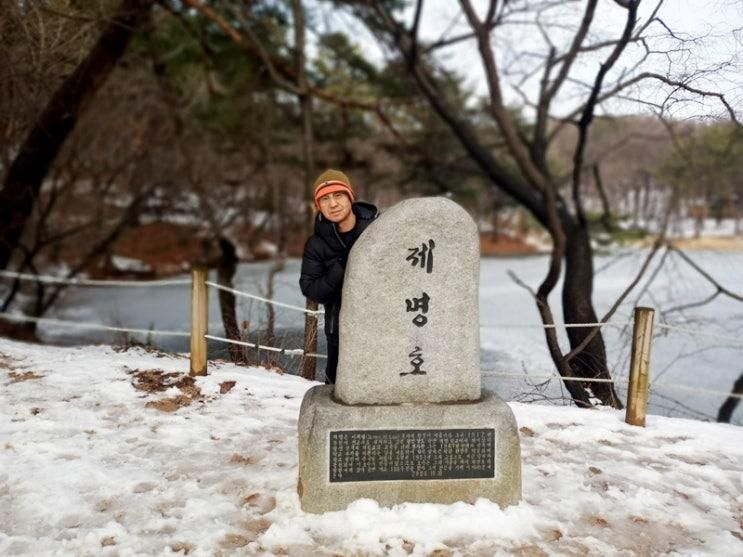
[{"x": 416, "y": 452}]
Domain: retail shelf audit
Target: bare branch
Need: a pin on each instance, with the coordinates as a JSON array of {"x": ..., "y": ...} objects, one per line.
[
  {"x": 515, "y": 278},
  {"x": 414, "y": 29},
  {"x": 578, "y": 349},
  {"x": 691, "y": 305},
  {"x": 650, "y": 75},
  {"x": 570, "y": 56},
  {"x": 579, "y": 394},
  {"x": 492, "y": 9},
  {"x": 505, "y": 122},
  {"x": 587, "y": 116},
  {"x": 720, "y": 288}
]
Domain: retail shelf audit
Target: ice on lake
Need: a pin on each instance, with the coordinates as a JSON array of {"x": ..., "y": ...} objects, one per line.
[{"x": 705, "y": 356}]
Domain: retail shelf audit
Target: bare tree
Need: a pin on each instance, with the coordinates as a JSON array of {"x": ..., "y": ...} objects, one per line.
[
  {"x": 38, "y": 151},
  {"x": 98, "y": 188},
  {"x": 522, "y": 168}
]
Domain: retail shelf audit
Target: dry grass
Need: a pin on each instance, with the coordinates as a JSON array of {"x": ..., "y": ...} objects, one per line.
[
  {"x": 157, "y": 381},
  {"x": 17, "y": 377},
  {"x": 242, "y": 459},
  {"x": 170, "y": 404},
  {"x": 226, "y": 386}
]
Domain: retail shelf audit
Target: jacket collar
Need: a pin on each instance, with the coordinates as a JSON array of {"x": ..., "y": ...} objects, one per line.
[{"x": 328, "y": 231}]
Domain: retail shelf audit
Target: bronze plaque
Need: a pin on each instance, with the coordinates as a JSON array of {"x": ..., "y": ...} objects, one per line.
[{"x": 411, "y": 454}]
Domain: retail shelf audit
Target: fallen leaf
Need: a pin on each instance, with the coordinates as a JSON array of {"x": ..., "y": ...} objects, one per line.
[
  {"x": 169, "y": 404},
  {"x": 240, "y": 459},
  {"x": 16, "y": 377},
  {"x": 233, "y": 541},
  {"x": 226, "y": 387},
  {"x": 185, "y": 547}
]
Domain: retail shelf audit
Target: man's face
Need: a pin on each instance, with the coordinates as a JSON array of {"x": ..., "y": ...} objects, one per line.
[{"x": 335, "y": 206}]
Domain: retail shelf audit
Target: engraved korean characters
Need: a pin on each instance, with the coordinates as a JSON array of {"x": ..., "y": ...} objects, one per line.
[
  {"x": 409, "y": 316},
  {"x": 419, "y": 257}
]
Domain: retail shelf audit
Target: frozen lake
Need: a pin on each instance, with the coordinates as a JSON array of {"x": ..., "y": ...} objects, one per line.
[{"x": 684, "y": 364}]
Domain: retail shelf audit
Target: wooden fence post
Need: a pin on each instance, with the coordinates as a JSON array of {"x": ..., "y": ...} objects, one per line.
[
  {"x": 310, "y": 341},
  {"x": 642, "y": 340},
  {"x": 199, "y": 319}
]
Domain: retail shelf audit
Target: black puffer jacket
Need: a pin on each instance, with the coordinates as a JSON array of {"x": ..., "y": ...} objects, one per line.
[{"x": 324, "y": 262}]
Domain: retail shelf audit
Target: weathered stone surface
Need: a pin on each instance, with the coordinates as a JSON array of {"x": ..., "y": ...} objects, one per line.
[
  {"x": 409, "y": 324},
  {"x": 407, "y": 420},
  {"x": 321, "y": 414}
]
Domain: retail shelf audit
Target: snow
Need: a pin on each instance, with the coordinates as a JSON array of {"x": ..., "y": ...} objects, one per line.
[
  {"x": 129, "y": 264},
  {"x": 89, "y": 466}
]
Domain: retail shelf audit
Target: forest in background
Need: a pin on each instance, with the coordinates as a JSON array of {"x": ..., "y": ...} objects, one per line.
[
  {"x": 192, "y": 130},
  {"x": 189, "y": 131}
]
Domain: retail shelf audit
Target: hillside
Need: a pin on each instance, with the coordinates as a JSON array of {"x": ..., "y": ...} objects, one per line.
[{"x": 109, "y": 453}]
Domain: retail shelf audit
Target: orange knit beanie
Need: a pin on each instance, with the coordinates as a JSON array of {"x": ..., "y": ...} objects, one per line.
[{"x": 331, "y": 181}]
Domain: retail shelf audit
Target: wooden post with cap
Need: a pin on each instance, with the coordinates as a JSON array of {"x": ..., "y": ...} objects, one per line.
[
  {"x": 199, "y": 319},
  {"x": 642, "y": 340}
]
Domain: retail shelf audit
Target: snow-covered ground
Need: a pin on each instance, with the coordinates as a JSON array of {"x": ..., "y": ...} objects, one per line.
[{"x": 119, "y": 453}]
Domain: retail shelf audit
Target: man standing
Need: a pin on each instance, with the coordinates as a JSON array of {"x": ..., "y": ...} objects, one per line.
[{"x": 339, "y": 223}]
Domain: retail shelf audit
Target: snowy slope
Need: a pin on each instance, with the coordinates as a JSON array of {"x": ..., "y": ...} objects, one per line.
[{"x": 90, "y": 466}]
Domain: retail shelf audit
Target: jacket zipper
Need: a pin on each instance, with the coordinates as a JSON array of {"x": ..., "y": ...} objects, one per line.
[{"x": 335, "y": 229}]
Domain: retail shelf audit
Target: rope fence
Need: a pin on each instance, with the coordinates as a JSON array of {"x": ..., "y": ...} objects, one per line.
[
  {"x": 691, "y": 389},
  {"x": 91, "y": 326},
  {"x": 298, "y": 352},
  {"x": 549, "y": 376},
  {"x": 696, "y": 333},
  {"x": 286, "y": 351},
  {"x": 48, "y": 279},
  {"x": 554, "y": 325},
  {"x": 653, "y": 386},
  {"x": 187, "y": 281},
  {"x": 262, "y": 299}
]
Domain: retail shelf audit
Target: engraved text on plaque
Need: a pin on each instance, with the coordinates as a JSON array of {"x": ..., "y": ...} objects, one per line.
[{"x": 411, "y": 454}]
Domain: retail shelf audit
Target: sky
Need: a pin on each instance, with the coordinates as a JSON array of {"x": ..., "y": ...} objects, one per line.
[{"x": 715, "y": 24}]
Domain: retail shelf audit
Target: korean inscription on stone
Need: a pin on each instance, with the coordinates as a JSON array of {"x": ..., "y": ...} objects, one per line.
[
  {"x": 415, "y": 454},
  {"x": 411, "y": 287},
  {"x": 423, "y": 256},
  {"x": 419, "y": 257}
]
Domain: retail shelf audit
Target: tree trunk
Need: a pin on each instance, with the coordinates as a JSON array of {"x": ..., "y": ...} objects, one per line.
[
  {"x": 225, "y": 274},
  {"x": 636, "y": 206},
  {"x": 40, "y": 148},
  {"x": 577, "y": 292},
  {"x": 269, "y": 337},
  {"x": 728, "y": 407},
  {"x": 647, "y": 212},
  {"x": 606, "y": 217},
  {"x": 309, "y": 364}
]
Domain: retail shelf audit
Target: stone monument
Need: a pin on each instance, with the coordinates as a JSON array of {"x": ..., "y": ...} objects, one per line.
[{"x": 407, "y": 419}]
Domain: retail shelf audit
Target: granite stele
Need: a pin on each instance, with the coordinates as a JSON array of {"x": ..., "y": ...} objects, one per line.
[{"x": 407, "y": 419}]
